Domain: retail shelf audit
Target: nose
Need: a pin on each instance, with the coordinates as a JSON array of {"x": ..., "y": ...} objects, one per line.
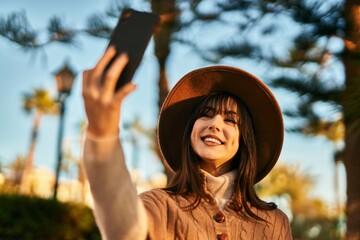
[{"x": 215, "y": 123}]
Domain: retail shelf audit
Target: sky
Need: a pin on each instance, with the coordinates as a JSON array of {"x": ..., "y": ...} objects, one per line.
[{"x": 21, "y": 72}]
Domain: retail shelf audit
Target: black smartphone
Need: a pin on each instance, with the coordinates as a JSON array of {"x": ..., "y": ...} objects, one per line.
[{"x": 132, "y": 35}]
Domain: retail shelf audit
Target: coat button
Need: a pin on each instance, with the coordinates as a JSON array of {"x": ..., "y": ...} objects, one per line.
[
  {"x": 219, "y": 217},
  {"x": 222, "y": 236}
]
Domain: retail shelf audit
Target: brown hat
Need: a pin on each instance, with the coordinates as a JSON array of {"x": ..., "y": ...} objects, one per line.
[{"x": 191, "y": 89}]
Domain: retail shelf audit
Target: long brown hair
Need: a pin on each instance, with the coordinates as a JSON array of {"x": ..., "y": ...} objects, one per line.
[{"x": 188, "y": 180}]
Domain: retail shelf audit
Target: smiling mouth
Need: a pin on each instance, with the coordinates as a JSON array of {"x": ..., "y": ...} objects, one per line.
[{"x": 208, "y": 139}]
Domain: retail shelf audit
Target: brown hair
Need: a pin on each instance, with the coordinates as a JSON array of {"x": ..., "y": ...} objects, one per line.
[{"x": 188, "y": 180}]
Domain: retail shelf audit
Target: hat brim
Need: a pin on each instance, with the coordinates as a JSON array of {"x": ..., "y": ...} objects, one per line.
[{"x": 191, "y": 89}]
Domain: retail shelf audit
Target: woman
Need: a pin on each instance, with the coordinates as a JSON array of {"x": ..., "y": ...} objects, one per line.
[{"x": 220, "y": 130}]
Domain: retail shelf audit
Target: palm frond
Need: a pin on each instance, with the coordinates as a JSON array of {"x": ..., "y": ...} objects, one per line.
[{"x": 40, "y": 100}]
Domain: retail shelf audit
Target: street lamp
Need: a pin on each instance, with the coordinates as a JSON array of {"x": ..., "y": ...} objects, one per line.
[{"x": 64, "y": 81}]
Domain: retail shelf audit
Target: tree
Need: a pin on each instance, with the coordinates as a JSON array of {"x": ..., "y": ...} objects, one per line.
[
  {"x": 317, "y": 59},
  {"x": 42, "y": 103}
]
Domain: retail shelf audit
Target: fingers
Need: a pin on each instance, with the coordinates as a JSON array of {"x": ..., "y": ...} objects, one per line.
[
  {"x": 104, "y": 92},
  {"x": 105, "y": 60},
  {"x": 112, "y": 74},
  {"x": 92, "y": 77},
  {"x": 101, "y": 80},
  {"x": 102, "y": 103}
]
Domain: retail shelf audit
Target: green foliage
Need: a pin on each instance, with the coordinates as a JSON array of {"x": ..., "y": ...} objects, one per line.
[
  {"x": 97, "y": 26},
  {"x": 17, "y": 29},
  {"x": 59, "y": 32},
  {"x": 23, "y": 217}
]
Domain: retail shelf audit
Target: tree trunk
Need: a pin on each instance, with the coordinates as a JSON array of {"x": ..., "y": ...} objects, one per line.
[
  {"x": 162, "y": 38},
  {"x": 352, "y": 165},
  {"x": 31, "y": 151},
  {"x": 352, "y": 117}
]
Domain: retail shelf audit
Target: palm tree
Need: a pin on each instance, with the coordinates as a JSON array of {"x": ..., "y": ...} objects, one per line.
[
  {"x": 40, "y": 102},
  {"x": 169, "y": 13}
]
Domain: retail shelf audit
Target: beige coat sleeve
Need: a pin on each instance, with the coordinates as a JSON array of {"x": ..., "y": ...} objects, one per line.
[{"x": 119, "y": 212}]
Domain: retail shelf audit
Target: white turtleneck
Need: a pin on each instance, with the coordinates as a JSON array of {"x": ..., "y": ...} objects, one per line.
[{"x": 221, "y": 187}]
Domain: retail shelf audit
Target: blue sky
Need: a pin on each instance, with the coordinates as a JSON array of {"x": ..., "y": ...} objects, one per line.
[{"x": 20, "y": 72}]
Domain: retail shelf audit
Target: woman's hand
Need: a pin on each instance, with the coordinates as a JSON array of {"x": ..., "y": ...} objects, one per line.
[{"x": 102, "y": 103}]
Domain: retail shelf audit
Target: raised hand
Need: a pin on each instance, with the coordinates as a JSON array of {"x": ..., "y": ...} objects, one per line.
[{"x": 102, "y": 103}]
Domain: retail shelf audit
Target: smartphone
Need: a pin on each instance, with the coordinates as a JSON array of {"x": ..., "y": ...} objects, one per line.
[{"x": 132, "y": 35}]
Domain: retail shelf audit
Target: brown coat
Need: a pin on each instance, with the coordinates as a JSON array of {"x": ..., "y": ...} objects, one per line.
[{"x": 167, "y": 220}]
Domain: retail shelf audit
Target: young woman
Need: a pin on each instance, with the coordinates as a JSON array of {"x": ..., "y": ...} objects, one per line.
[{"x": 220, "y": 130}]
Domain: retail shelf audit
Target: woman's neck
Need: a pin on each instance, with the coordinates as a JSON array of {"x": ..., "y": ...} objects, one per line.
[{"x": 217, "y": 170}]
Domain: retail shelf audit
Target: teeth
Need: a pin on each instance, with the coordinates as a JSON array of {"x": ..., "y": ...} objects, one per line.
[{"x": 208, "y": 139}]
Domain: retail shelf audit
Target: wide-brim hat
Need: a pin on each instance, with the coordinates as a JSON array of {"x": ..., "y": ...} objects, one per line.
[{"x": 191, "y": 89}]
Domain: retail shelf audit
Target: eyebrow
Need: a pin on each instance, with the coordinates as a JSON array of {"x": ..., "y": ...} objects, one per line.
[
  {"x": 208, "y": 108},
  {"x": 231, "y": 112}
]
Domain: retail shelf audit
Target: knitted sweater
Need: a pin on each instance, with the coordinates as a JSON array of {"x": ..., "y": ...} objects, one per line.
[
  {"x": 121, "y": 214},
  {"x": 167, "y": 220}
]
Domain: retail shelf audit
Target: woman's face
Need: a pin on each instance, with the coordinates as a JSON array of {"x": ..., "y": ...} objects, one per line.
[{"x": 215, "y": 136}]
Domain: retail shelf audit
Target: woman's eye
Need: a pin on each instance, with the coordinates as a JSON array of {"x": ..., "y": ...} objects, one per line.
[
  {"x": 206, "y": 115},
  {"x": 230, "y": 120}
]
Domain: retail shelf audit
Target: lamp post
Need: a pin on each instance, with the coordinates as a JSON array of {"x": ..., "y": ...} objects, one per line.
[{"x": 64, "y": 81}]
